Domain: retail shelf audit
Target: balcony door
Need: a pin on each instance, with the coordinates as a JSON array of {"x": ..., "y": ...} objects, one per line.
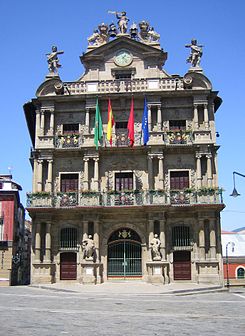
[
  {"x": 124, "y": 181},
  {"x": 123, "y": 186}
]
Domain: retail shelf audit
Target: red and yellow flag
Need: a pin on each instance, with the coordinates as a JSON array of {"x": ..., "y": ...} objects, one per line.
[{"x": 110, "y": 124}]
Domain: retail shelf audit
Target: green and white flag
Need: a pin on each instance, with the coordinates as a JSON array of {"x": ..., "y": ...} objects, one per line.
[{"x": 98, "y": 127}]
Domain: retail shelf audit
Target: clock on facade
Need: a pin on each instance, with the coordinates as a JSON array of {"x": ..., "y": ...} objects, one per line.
[{"x": 123, "y": 58}]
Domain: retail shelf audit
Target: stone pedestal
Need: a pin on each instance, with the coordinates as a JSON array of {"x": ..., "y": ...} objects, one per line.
[
  {"x": 91, "y": 272},
  {"x": 43, "y": 273},
  {"x": 209, "y": 272},
  {"x": 158, "y": 271}
]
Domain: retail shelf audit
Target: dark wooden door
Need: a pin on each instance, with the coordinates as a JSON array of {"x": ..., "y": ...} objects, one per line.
[
  {"x": 182, "y": 265},
  {"x": 68, "y": 266}
]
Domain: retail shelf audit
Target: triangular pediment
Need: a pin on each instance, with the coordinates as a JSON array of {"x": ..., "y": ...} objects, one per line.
[
  {"x": 124, "y": 42},
  {"x": 141, "y": 56}
]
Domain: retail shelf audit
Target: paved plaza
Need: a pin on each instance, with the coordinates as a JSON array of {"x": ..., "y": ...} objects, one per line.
[{"x": 32, "y": 311}]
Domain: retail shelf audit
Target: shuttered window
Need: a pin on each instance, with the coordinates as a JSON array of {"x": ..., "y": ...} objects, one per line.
[
  {"x": 69, "y": 182},
  {"x": 124, "y": 181},
  {"x": 179, "y": 180}
]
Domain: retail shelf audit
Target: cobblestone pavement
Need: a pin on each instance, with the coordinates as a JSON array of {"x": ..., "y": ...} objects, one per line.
[{"x": 34, "y": 311}]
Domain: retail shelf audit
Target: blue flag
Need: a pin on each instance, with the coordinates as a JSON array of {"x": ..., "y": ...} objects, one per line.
[{"x": 145, "y": 129}]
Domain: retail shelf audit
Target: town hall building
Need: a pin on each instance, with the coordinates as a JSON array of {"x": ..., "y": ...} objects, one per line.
[{"x": 124, "y": 159}]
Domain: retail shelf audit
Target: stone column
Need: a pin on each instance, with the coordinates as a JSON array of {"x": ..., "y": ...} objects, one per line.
[
  {"x": 150, "y": 235},
  {"x": 37, "y": 243},
  {"x": 209, "y": 170},
  {"x": 212, "y": 239},
  {"x": 50, "y": 175},
  {"x": 40, "y": 175},
  {"x": 51, "y": 125},
  {"x": 201, "y": 240},
  {"x": 34, "y": 177},
  {"x": 160, "y": 171},
  {"x": 195, "y": 117},
  {"x": 162, "y": 239},
  {"x": 96, "y": 239},
  {"x": 206, "y": 118},
  {"x": 96, "y": 174},
  {"x": 85, "y": 181},
  {"x": 48, "y": 243},
  {"x": 42, "y": 123},
  {"x": 87, "y": 119},
  {"x": 159, "y": 118},
  {"x": 150, "y": 172},
  {"x": 199, "y": 170},
  {"x": 38, "y": 122},
  {"x": 149, "y": 118}
]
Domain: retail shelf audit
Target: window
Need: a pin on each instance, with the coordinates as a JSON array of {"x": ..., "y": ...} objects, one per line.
[
  {"x": 123, "y": 75},
  {"x": 70, "y": 129},
  {"x": 179, "y": 180},
  {"x": 181, "y": 236},
  {"x": 1, "y": 185},
  {"x": 124, "y": 181},
  {"x": 1, "y": 228},
  {"x": 68, "y": 238},
  {"x": 177, "y": 125},
  {"x": 69, "y": 182},
  {"x": 121, "y": 125},
  {"x": 240, "y": 273},
  {"x": 121, "y": 133}
]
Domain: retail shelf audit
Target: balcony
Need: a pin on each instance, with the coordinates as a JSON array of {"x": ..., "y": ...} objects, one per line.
[
  {"x": 67, "y": 141},
  {"x": 179, "y": 137},
  {"x": 127, "y": 85},
  {"x": 124, "y": 198}
]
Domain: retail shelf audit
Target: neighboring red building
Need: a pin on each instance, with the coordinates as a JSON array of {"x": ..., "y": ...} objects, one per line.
[
  {"x": 12, "y": 233},
  {"x": 233, "y": 248}
]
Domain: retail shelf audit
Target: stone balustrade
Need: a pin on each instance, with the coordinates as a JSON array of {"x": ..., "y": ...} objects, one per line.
[
  {"x": 124, "y": 198},
  {"x": 115, "y": 86}
]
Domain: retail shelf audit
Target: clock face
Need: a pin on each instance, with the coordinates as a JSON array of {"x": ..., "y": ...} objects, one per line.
[{"x": 123, "y": 58}]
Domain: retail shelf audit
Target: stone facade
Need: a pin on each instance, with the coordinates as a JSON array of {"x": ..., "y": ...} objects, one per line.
[{"x": 123, "y": 196}]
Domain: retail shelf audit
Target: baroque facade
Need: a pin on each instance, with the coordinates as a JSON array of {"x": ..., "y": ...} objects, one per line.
[{"x": 103, "y": 209}]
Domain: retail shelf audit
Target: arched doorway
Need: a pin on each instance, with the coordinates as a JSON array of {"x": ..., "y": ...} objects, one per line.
[
  {"x": 124, "y": 254},
  {"x": 68, "y": 266}
]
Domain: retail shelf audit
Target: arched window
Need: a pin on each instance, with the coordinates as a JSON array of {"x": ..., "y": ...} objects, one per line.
[
  {"x": 240, "y": 273},
  {"x": 68, "y": 239}
]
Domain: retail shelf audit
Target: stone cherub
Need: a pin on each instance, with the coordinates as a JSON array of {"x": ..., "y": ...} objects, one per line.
[
  {"x": 155, "y": 248},
  {"x": 53, "y": 60},
  {"x": 196, "y": 53}
]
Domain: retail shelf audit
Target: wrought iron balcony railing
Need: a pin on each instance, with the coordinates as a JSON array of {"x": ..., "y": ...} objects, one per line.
[{"x": 124, "y": 198}]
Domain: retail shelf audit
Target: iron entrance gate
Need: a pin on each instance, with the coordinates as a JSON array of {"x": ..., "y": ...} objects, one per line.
[{"x": 124, "y": 259}]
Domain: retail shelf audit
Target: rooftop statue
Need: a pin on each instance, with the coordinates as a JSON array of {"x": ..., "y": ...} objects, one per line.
[
  {"x": 148, "y": 34},
  {"x": 196, "y": 53},
  {"x": 122, "y": 21},
  {"x": 142, "y": 32},
  {"x": 99, "y": 36},
  {"x": 53, "y": 60}
]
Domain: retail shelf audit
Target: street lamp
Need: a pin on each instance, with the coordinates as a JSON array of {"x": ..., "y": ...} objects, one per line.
[
  {"x": 227, "y": 262},
  {"x": 234, "y": 192}
]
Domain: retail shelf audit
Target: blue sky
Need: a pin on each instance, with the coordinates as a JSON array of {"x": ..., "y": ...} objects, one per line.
[{"x": 29, "y": 28}]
